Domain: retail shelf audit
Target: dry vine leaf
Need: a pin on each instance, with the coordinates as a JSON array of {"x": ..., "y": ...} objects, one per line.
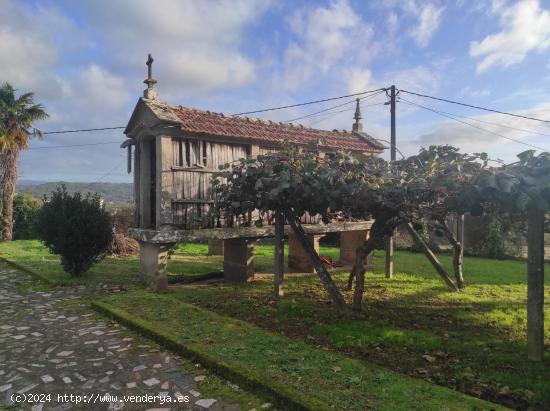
[{"x": 429, "y": 358}]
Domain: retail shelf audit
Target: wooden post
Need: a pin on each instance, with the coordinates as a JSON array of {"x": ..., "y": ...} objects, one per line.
[
  {"x": 458, "y": 260},
  {"x": 389, "y": 256},
  {"x": 535, "y": 285},
  {"x": 460, "y": 235},
  {"x": 393, "y": 150},
  {"x": 321, "y": 270},
  {"x": 279, "y": 254},
  {"x": 431, "y": 257}
]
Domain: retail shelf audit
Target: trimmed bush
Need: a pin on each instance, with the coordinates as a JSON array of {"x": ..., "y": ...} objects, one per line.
[
  {"x": 25, "y": 213},
  {"x": 75, "y": 227}
]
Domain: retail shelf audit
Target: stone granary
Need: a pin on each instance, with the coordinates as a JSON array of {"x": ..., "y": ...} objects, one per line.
[{"x": 175, "y": 151}]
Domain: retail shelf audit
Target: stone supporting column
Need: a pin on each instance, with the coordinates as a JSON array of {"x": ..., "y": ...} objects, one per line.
[
  {"x": 298, "y": 258},
  {"x": 238, "y": 260},
  {"x": 215, "y": 247},
  {"x": 153, "y": 259},
  {"x": 349, "y": 241}
]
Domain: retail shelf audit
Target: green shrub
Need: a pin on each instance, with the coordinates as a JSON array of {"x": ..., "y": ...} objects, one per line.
[
  {"x": 25, "y": 213},
  {"x": 75, "y": 227},
  {"x": 493, "y": 242},
  {"x": 423, "y": 229}
]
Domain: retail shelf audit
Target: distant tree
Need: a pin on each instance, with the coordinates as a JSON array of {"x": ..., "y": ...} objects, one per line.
[
  {"x": 17, "y": 114},
  {"x": 25, "y": 213},
  {"x": 75, "y": 227}
]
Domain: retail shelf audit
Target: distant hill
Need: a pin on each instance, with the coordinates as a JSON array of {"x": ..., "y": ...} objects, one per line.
[{"x": 116, "y": 193}]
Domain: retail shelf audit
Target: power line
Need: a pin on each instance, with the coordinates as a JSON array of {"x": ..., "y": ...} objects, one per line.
[
  {"x": 452, "y": 117},
  {"x": 308, "y": 102},
  {"x": 35, "y": 132},
  {"x": 333, "y": 107},
  {"x": 319, "y": 112},
  {"x": 74, "y": 145},
  {"x": 109, "y": 172},
  {"x": 329, "y": 115},
  {"x": 476, "y": 107},
  {"x": 498, "y": 124}
]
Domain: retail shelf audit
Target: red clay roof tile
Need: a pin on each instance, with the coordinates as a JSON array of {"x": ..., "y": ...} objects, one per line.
[{"x": 242, "y": 128}]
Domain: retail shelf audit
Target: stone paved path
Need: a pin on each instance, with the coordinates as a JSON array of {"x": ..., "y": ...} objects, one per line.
[{"x": 48, "y": 350}]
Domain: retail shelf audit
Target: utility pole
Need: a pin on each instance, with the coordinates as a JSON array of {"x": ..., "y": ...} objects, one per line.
[
  {"x": 392, "y": 112},
  {"x": 389, "y": 239}
]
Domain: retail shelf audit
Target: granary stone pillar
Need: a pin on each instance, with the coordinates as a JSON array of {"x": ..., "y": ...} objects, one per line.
[
  {"x": 215, "y": 247},
  {"x": 349, "y": 241},
  {"x": 145, "y": 182},
  {"x": 298, "y": 258},
  {"x": 153, "y": 259},
  {"x": 238, "y": 260}
]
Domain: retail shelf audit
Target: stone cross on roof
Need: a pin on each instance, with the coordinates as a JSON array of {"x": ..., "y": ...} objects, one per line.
[
  {"x": 150, "y": 92},
  {"x": 357, "y": 126}
]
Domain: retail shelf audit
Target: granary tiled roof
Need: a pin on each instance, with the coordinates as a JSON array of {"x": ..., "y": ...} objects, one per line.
[{"x": 200, "y": 122}]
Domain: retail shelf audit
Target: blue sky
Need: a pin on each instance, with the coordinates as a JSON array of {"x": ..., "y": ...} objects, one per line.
[{"x": 85, "y": 61}]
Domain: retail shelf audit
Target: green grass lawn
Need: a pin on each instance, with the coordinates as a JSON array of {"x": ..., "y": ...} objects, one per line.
[
  {"x": 31, "y": 254},
  {"x": 309, "y": 376},
  {"x": 473, "y": 341}
]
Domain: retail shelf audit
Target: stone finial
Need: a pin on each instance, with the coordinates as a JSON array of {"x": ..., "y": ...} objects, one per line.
[
  {"x": 357, "y": 126},
  {"x": 150, "y": 92}
]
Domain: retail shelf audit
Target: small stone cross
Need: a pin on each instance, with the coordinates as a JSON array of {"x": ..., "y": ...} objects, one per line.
[{"x": 149, "y": 67}]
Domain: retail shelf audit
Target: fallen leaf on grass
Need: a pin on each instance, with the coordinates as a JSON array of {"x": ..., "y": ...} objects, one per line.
[{"x": 429, "y": 358}]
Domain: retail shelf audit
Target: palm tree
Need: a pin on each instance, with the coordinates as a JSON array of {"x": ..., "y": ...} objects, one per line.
[{"x": 16, "y": 118}]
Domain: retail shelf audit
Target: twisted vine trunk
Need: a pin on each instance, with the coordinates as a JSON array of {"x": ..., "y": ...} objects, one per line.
[
  {"x": 375, "y": 240},
  {"x": 458, "y": 255},
  {"x": 8, "y": 179},
  {"x": 320, "y": 268}
]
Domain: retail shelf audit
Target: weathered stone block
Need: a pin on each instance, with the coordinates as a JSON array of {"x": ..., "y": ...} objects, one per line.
[
  {"x": 349, "y": 241},
  {"x": 153, "y": 259},
  {"x": 238, "y": 260},
  {"x": 298, "y": 258},
  {"x": 215, "y": 247}
]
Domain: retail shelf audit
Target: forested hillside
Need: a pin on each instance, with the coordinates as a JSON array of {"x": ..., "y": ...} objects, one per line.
[{"x": 118, "y": 193}]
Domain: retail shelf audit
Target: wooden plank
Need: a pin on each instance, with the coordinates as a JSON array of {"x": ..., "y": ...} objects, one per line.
[
  {"x": 165, "y": 178},
  {"x": 193, "y": 201},
  {"x": 194, "y": 169},
  {"x": 431, "y": 257},
  {"x": 389, "y": 256},
  {"x": 181, "y": 236},
  {"x": 535, "y": 285},
  {"x": 279, "y": 254},
  {"x": 176, "y": 158}
]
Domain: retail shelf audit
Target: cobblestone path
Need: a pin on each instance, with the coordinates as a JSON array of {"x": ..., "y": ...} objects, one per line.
[{"x": 49, "y": 350}]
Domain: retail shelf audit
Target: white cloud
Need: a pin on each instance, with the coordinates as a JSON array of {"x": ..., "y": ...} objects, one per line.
[
  {"x": 525, "y": 28},
  {"x": 326, "y": 37},
  {"x": 196, "y": 44},
  {"x": 424, "y": 79},
  {"x": 474, "y": 92},
  {"x": 393, "y": 22},
  {"x": 472, "y": 139},
  {"x": 359, "y": 80},
  {"x": 429, "y": 19},
  {"x": 426, "y": 16},
  {"x": 27, "y": 46}
]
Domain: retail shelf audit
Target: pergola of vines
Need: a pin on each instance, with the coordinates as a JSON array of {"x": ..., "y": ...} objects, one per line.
[{"x": 438, "y": 182}]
